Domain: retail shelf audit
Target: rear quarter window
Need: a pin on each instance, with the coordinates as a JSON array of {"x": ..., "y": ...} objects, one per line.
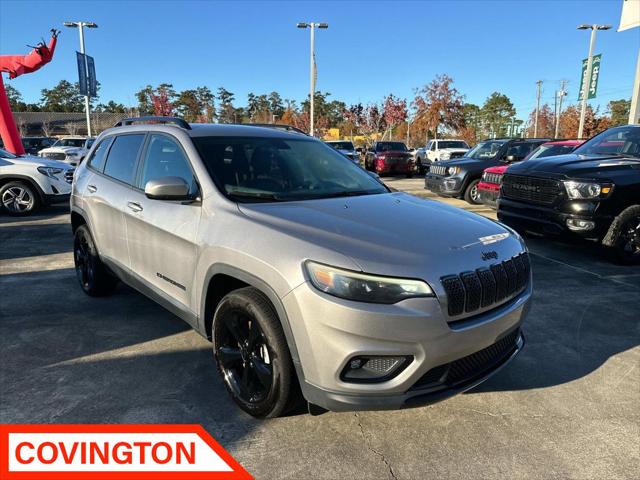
[{"x": 96, "y": 161}]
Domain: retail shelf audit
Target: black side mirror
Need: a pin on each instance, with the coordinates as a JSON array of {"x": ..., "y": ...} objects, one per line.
[{"x": 167, "y": 188}]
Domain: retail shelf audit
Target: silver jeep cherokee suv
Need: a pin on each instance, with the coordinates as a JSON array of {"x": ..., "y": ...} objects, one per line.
[{"x": 305, "y": 271}]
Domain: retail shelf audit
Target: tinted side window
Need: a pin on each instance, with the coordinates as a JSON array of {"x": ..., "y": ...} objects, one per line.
[
  {"x": 100, "y": 154},
  {"x": 121, "y": 162},
  {"x": 165, "y": 158}
]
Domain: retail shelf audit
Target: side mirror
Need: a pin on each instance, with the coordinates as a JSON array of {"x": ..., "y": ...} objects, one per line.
[{"x": 167, "y": 188}]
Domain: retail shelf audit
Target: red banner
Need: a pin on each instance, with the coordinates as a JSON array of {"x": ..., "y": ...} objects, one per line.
[{"x": 114, "y": 452}]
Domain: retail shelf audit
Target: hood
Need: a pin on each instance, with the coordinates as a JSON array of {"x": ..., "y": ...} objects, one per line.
[
  {"x": 500, "y": 169},
  {"x": 393, "y": 234},
  {"x": 66, "y": 150},
  {"x": 578, "y": 166},
  {"x": 38, "y": 162},
  {"x": 453, "y": 150}
]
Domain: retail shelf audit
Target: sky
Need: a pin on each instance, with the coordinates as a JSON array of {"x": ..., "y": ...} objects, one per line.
[{"x": 371, "y": 48}]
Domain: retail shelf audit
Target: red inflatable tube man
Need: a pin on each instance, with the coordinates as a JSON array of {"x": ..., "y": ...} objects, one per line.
[{"x": 16, "y": 65}]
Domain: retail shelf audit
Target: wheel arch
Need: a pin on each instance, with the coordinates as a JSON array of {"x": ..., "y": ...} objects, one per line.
[
  {"x": 4, "y": 179},
  {"x": 234, "y": 277}
]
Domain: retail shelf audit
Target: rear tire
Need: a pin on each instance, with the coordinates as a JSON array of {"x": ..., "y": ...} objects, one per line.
[
  {"x": 19, "y": 198},
  {"x": 252, "y": 355},
  {"x": 623, "y": 237},
  {"x": 471, "y": 194},
  {"x": 92, "y": 274}
]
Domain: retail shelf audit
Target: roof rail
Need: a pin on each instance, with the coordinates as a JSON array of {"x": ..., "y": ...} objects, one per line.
[
  {"x": 277, "y": 126},
  {"x": 172, "y": 120}
]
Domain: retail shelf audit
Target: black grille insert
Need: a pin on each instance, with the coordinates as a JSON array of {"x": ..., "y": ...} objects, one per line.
[
  {"x": 471, "y": 291},
  {"x": 472, "y": 366},
  {"x": 531, "y": 189}
]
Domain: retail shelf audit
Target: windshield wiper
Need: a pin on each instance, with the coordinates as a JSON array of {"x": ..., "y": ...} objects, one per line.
[
  {"x": 347, "y": 193},
  {"x": 265, "y": 196}
]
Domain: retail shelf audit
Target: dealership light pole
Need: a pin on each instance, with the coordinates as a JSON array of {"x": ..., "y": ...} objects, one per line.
[
  {"x": 312, "y": 67},
  {"x": 80, "y": 26},
  {"x": 587, "y": 77}
]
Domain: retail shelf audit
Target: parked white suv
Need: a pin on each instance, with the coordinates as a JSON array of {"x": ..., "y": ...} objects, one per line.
[
  {"x": 437, "y": 150},
  {"x": 28, "y": 182},
  {"x": 71, "y": 150}
]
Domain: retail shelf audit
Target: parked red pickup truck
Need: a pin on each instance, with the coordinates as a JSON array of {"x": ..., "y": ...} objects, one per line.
[{"x": 489, "y": 186}]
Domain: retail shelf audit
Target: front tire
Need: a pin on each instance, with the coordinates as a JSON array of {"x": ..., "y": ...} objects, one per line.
[
  {"x": 252, "y": 355},
  {"x": 623, "y": 237},
  {"x": 19, "y": 198},
  {"x": 92, "y": 275},
  {"x": 472, "y": 194}
]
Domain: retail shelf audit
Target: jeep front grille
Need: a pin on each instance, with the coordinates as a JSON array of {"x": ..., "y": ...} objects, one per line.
[
  {"x": 495, "y": 178},
  {"x": 470, "y": 291},
  {"x": 438, "y": 169},
  {"x": 530, "y": 189}
]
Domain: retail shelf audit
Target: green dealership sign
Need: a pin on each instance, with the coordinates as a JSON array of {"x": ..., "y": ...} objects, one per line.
[{"x": 593, "y": 81}]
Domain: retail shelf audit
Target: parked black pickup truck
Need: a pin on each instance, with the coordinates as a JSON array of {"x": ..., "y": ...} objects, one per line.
[
  {"x": 460, "y": 177},
  {"x": 593, "y": 192}
]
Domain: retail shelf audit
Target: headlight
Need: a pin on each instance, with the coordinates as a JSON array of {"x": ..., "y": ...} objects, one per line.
[
  {"x": 445, "y": 155},
  {"x": 453, "y": 170},
  {"x": 586, "y": 190},
  {"x": 361, "y": 287},
  {"x": 50, "y": 171},
  {"x": 72, "y": 154}
]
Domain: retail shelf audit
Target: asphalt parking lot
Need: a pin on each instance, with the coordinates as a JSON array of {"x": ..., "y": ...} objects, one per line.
[{"x": 567, "y": 407}]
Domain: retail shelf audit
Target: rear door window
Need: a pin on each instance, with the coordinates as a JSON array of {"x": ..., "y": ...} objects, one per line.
[{"x": 121, "y": 162}]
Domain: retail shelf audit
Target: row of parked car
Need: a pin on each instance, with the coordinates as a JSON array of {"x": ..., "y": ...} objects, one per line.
[
  {"x": 555, "y": 187},
  {"x": 69, "y": 149}
]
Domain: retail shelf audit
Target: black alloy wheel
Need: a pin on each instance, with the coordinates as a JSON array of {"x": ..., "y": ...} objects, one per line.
[
  {"x": 244, "y": 358},
  {"x": 252, "y": 354}
]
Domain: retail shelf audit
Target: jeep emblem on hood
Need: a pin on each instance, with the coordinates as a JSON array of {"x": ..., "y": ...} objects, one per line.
[{"x": 490, "y": 255}]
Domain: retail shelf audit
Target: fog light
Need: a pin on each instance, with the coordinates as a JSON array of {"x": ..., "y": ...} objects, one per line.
[
  {"x": 373, "y": 369},
  {"x": 449, "y": 184},
  {"x": 578, "y": 225}
]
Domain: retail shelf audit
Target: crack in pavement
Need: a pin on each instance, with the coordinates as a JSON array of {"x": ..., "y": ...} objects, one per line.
[{"x": 367, "y": 442}]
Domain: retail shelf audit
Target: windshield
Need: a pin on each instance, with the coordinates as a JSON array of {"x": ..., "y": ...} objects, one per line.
[
  {"x": 620, "y": 140},
  {"x": 391, "y": 147},
  {"x": 485, "y": 150},
  {"x": 250, "y": 169},
  {"x": 452, "y": 144},
  {"x": 5, "y": 154},
  {"x": 69, "y": 142},
  {"x": 342, "y": 145},
  {"x": 550, "y": 151}
]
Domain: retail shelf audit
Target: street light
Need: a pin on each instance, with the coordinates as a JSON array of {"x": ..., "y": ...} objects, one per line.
[
  {"x": 80, "y": 26},
  {"x": 312, "y": 65},
  {"x": 587, "y": 78}
]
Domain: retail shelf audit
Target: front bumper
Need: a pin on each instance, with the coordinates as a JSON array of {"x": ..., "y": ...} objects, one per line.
[
  {"x": 330, "y": 331},
  {"x": 552, "y": 220},
  {"x": 488, "y": 194},
  {"x": 446, "y": 186}
]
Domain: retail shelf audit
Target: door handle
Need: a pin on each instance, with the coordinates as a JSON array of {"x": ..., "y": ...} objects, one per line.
[
  {"x": 92, "y": 188},
  {"x": 136, "y": 207}
]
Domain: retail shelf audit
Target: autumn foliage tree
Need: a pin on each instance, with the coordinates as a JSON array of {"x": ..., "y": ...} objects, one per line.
[
  {"x": 394, "y": 112},
  {"x": 439, "y": 104},
  {"x": 593, "y": 123},
  {"x": 546, "y": 123}
]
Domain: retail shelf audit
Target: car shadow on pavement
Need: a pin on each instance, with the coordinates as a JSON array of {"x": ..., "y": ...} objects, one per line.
[
  {"x": 580, "y": 319},
  {"x": 69, "y": 358}
]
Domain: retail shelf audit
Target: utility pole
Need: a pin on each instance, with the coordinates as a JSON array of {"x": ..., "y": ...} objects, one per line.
[
  {"x": 538, "y": 92},
  {"x": 561, "y": 94}
]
